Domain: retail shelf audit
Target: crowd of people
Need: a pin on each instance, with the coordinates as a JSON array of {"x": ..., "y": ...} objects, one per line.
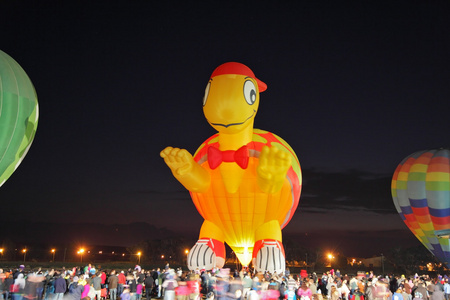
[{"x": 89, "y": 283}]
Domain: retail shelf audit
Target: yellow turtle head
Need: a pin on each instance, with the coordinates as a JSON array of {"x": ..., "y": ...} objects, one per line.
[{"x": 232, "y": 98}]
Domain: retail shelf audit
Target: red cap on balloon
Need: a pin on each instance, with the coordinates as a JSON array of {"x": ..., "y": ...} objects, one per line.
[{"x": 239, "y": 69}]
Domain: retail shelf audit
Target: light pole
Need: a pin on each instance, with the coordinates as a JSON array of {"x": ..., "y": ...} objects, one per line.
[
  {"x": 139, "y": 257},
  {"x": 1, "y": 251},
  {"x": 53, "y": 253},
  {"x": 187, "y": 253},
  {"x": 330, "y": 256},
  {"x": 24, "y": 251},
  {"x": 306, "y": 261},
  {"x": 382, "y": 263},
  {"x": 81, "y": 251}
]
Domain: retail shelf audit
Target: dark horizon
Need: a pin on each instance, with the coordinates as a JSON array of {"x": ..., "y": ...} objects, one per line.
[{"x": 350, "y": 243}]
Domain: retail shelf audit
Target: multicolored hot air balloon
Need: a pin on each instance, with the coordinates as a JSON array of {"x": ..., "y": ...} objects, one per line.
[
  {"x": 19, "y": 114},
  {"x": 421, "y": 194},
  {"x": 244, "y": 182}
]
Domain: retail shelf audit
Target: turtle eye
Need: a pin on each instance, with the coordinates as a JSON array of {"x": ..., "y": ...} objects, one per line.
[
  {"x": 250, "y": 92},
  {"x": 205, "y": 97}
]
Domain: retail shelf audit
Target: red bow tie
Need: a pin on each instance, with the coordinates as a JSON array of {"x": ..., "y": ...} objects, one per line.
[{"x": 216, "y": 157}]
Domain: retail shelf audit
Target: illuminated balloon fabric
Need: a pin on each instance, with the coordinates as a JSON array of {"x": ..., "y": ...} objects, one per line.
[
  {"x": 240, "y": 214},
  {"x": 244, "y": 199},
  {"x": 18, "y": 115},
  {"x": 421, "y": 194}
]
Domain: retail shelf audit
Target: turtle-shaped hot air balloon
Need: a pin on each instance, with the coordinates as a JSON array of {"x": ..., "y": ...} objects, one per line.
[
  {"x": 18, "y": 115},
  {"x": 244, "y": 182}
]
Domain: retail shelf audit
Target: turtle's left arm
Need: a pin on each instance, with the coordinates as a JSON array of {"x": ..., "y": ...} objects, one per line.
[{"x": 273, "y": 166}]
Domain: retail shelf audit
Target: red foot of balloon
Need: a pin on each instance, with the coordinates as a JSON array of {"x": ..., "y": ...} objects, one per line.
[
  {"x": 268, "y": 255},
  {"x": 206, "y": 254}
]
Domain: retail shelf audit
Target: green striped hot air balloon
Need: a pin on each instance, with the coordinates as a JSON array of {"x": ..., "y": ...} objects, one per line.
[{"x": 19, "y": 115}]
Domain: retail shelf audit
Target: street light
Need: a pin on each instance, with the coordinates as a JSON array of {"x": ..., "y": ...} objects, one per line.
[
  {"x": 187, "y": 253},
  {"x": 1, "y": 251},
  {"x": 81, "y": 251},
  {"x": 330, "y": 256},
  {"x": 53, "y": 252},
  {"x": 24, "y": 251},
  {"x": 139, "y": 257}
]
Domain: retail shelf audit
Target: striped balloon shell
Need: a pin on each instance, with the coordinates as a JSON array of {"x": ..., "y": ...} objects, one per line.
[
  {"x": 421, "y": 194},
  {"x": 19, "y": 114}
]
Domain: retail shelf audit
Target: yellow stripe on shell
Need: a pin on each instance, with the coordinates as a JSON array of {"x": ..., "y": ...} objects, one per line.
[
  {"x": 427, "y": 227},
  {"x": 419, "y": 168},
  {"x": 402, "y": 176},
  {"x": 438, "y": 176}
]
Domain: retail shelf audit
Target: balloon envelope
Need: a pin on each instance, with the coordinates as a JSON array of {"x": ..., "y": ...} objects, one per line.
[
  {"x": 240, "y": 214},
  {"x": 421, "y": 194},
  {"x": 18, "y": 115}
]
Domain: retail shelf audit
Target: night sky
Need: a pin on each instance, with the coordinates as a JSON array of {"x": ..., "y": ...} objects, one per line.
[{"x": 353, "y": 87}]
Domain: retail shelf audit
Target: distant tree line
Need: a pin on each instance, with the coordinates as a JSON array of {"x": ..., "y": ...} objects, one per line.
[{"x": 397, "y": 260}]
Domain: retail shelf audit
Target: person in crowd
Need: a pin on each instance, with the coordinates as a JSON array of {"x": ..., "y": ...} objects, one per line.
[
  {"x": 19, "y": 287},
  {"x": 247, "y": 284},
  {"x": 139, "y": 289},
  {"x": 393, "y": 283},
  {"x": 235, "y": 289},
  {"x": 103, "y": 278},
  {"x": 353, "y": 285},
  {"x": 182, "y": 291},
  {"x": 60, "y": 286},
  {"x": 369, "y": 290},
  {"x": 318, "y": 296},
  {"x": 149, "y": 283},
  {"x": 344, "y": 290},
  {"x": 407, "y": 290},
  {"x": 75, "y": 289},
  {"x": 132, "y": 285},
  {"x": 122, "y": 281},
  {"x": 398, "y": 294},
  {"x": 161, "y": 278},
  {"x": 86, "y": 288},
  {"x": 405, "y": 295},
  {"x": 169, "y": 286},
  {"x": 420, "y": 292},
  {"x": 273, "y": 289},
  {"x": 223, "y": 284},
  {"x": 312, "y": 286},
  {"x": 49, "y": 285},
  {"x": 438, "y": 294},
  {"x": 334, "y": 293},
  {"x": 8, "y": 284},
  {"x": 125, "y": 294},
  {"x": 113, "y": 282},
  {"x": 291, "y": 283},
  {"x": 304, "y": 292},
  {"x": 97, "y": 284},
  {"x": 446, "y": 289},
  {"x": 91, "y": 293},
  {"x": 2, "y": 280},
  {"x": 155, "y": 274}
]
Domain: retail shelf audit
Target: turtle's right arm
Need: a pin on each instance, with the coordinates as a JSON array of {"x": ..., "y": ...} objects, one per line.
[{"x": 188, "y": 172}]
